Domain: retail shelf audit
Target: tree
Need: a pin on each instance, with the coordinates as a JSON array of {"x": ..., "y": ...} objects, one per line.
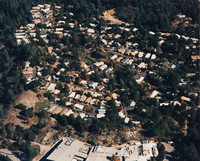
[
  {"x": 4, "y": 158},
  {"x": 159, "y": 51},
  {"x": 9, "y": 129}
]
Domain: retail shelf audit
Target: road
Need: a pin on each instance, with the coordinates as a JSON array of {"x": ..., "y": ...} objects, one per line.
[{"x": 8, "y": 153}]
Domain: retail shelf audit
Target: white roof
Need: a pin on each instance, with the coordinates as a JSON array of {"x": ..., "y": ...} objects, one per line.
[
  {"x": 148, "y": 55},
  {"x": 98, "y": 63},
  {"x": 93, "y": 85},
  {"x": 72, "y": 95},
  {"x": 79, "y": 106},
  {"x": 66, "y": 150},
  {"x": 132, "y": 103},
  {"x": 164, "y": 104},
  {"x": 113, "y": 57},
  {"x": 59, "y": 29},
  {"x": 100, "y": 115},
  {"x": 152, "y": 33},
  {"x": 103, "y": 67},
  {"x": 140, "y": 54},
  {"x": 104, "y": 41},
  {"x": 126, "y": 120},
  {"x": 51, "y": 87},
  {"x": 142, "y": 65},
  {"x": 121, "y": 114},
  {"x": 91, "y": 31},
  {"x": 69, "y": 112},
  {"x": 82, "y": 115},
  {"x": 153, "y": 56},
  {"x": 140, "y": 80},
  {"x": 135, "y": 29},
  {"x": 153, "y": 94},
  {"x": 77, "y": 96}
]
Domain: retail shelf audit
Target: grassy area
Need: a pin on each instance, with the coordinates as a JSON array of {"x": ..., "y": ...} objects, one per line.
[{"x": 42, "y": 104}]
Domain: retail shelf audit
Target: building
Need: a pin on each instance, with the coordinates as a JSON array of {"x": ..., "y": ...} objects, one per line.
[
  {"x": 51, "y": 87},
  {"x": 69, "y": 150}
]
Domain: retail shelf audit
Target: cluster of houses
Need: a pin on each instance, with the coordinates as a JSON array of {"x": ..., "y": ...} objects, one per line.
[
  {"x": 89, "y": 98},
  {"x": 41, "y": 14}
]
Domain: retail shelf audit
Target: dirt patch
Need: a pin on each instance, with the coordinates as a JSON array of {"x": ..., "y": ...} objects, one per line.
[
  {"x": 16, "y": 119},
  {"x": 27, "y": 98},
  {"x": 109, "y": 16}
]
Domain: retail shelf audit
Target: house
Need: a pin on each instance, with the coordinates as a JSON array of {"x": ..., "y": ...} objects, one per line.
[
  {"x": 57, "y": 110},
  {"x": 56, "y": 91},
  {"x": 90, "y": 72},
  {"x": 100, "y": 88},
  {"x": 153, "y": 94},
  {"x": 152, "y": 33},
  {"x": 72, "y": 25},
  {"x": 126, "y": 120},
  {"x": 97, "y": 64},
  {"x": 118, "y": 103},
  {"x": 30, "y": 25},
  {"x": 70, "y": 112},
  {"x": 121, "y": 50},
  {"x": 71, "y": 14},
  {"x": 121, "y": 114},
  {"x": 148, "y": 55},
  {"x": 104, "y": 41},
  {"x": 139, "y": 81},
  {"x": 124, "y": 61},
  {"x": 119, "y": 59},
  {"x": 51, "y": 87},
  {"x": 130, "y": 62},
  {"x": 183, "y": 98},
  {"x": 164, "y": 104},
  {"x": 135, "y": 29},
  {"x": 153, "y": 57},
  {"x": 128, "y": 52},
  {"x": 142, "y": 65},
  {"x": 115, "y": 96},
  {"x": 82, "y": 115},
  {"x": 78, "y": 106},
  {"x": 105, "y": 80},
  {"x": 59, "y": 29},
  {"x": 102, "y": 110},
  {"x": 72, "y": 95},
  {"x": 195, "y": 57},
  {"x": 134, "y": 53},
  {"x": 93, "y": 25},
  {"x": 93, "y": 84},
  {"x": 88, "y": 100},
  {"x": 140, "y": 54},
  {"x": 91, "y": 31},
  {"x": 132, "y": 104},
  {"x": 77, "y": 97},
  {"x": 114, "y": 57},
  {"x": 117, "y": 36},
  {"x": 103, "y": 67},
  {"x": 83, "y": 98},
  {"x": 33, "y": 34},
  {"x": 36, "y": 8},
  {"x": 111, "y": 42},
  {"x": 95, "y": 94},
  {"x": 93, "y": 101},
  {"x": 100, "y": 115}
]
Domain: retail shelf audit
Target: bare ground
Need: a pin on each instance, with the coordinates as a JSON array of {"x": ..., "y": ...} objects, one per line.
[
  {"x": 27, "y": 98},
  {"x": 109, "y": 16}
]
